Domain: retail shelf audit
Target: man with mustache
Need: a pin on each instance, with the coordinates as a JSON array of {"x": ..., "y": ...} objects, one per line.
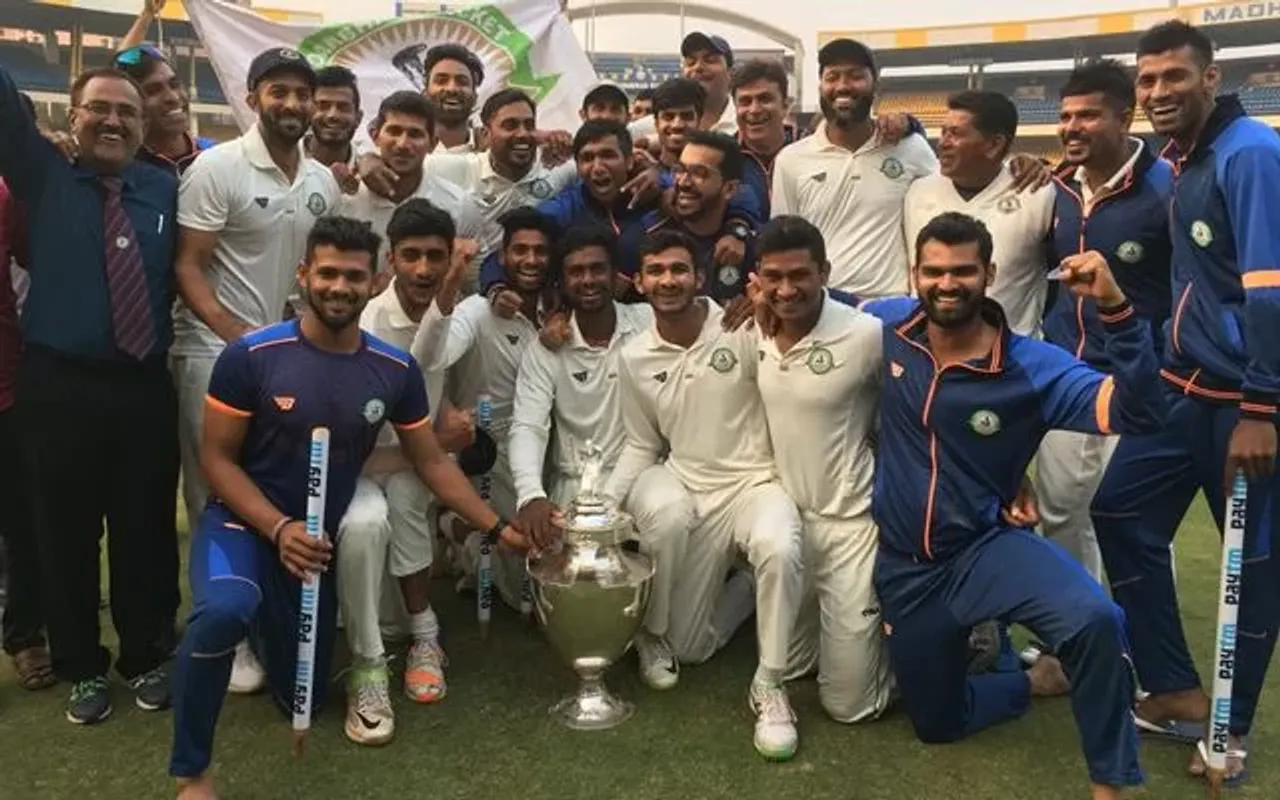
[
  {"x": 688, "y": 387},
  {"x": 964, "y": 404},
  {"x": 1113, "y": 197},
  {"x": 245, "y": 208},
  {"x": 269, "y": 390},
  {"x": 93, "y": 394},
  {"x": 482, "y": 350},
  {"x": 977, "y": 134},
  {"x": 1222, "y": 369},
  {"x": 404, "y": 133},
  {"x": 334, "y": 122}
]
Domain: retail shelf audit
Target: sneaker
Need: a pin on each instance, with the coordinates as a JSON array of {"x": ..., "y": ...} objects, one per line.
[
  {"x": 776, "y": 738},
  {"x": 247, "y": 675},
  {"x": 658, "y": 666},
  {"x": 151, "y": 690},
  {"x": 424, "y": 672},
  {"x": 370, "y": 720},
  {"x": 90, "y": 701}
]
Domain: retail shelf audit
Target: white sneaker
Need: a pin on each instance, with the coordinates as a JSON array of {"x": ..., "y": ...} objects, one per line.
[
  {"x": 247, "y": 675},
  {"x": 658, "y": 666},
  {"x": 370, "y": 719},
  {"x": 776, "y": 738}
]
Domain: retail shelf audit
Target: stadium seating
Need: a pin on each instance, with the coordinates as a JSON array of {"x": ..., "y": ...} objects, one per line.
[
  {"x": 930, "y": 108},
  {"x": 632, "y": 72},
  {"x": 29, "y": 68}
]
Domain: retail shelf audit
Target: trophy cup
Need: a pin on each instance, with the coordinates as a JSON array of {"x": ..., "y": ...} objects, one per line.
[{"x": 590, "y": 597}]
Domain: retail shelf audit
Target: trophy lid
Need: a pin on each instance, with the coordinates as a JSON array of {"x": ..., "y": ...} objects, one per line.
[{"x": 590, "y": 512}]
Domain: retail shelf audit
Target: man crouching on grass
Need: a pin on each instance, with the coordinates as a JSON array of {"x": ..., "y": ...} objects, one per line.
[{"x": 269, "y": 390}]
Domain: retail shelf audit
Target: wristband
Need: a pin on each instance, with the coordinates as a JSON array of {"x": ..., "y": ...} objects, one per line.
[
  {"x": 274, "y": 536},
  {"x": 495, "y": 531}
]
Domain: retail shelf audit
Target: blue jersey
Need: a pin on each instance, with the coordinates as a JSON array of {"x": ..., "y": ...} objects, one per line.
[{"x": 286, "y": 387}]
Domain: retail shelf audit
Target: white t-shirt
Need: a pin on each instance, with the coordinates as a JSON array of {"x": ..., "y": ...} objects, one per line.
[
  {"x": 702, "y": 403},
  {"x": 855, "y": 199},
  {"x": 262, "y": 221},
  {"x": 821, "y": 400},
  {"x": 377, "y": 210},
  {"x": 495, "y": 195},
  {"x": 647, "y": 126},
  {"x": 1019, "y": 225},
  {"x": 577, "y": 388}
]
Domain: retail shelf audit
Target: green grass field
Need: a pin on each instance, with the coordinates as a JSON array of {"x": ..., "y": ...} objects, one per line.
[{"x": 491, "y": 737}]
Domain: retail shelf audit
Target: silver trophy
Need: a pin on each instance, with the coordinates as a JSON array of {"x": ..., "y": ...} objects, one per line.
[{"x": 590, "y": 597}]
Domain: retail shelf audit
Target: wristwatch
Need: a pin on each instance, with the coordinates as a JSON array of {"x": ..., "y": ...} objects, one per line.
[
  {"x": 739, "y": 230},
  {"x": 495, "y": 531}
]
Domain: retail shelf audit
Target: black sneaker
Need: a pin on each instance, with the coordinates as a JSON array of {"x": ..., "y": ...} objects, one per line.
[
  {"x": 151, "y": 690},
  {"x": 90, "y": 701}
]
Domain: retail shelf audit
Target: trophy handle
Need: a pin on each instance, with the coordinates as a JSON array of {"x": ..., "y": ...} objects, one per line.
[
  {"x": 637, "y": 605},
  {"x": 540, "y": 601}
]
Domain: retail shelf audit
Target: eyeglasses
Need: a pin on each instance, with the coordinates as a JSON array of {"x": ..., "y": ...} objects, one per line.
[
  {"x": 134, "y": 56},
  {"x": 103, "y": 110}
]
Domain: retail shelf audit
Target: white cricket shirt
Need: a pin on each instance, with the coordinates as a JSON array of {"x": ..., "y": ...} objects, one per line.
[
  {"x": 385, "y": 318},
  {"x": 1019, "y": 225},
  {"x": 377, "y": 210},
  {"x": 577, "y": 387},
  {"x": 821, "y": 400},
  {"x": 702, "y": 403},
  {"x": 262, "y": 221},
  {"x": 856, "y": 200}
]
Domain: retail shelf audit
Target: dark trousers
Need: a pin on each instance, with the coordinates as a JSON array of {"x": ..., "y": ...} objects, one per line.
[
  {"x": 101, "y": 442},
  {"x": 23, "y": 613}
]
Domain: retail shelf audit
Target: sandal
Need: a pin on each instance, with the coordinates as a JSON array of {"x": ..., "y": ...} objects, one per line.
[
  {"x": 1231, "y": 780},
  {"x": 34, "y": 668}
]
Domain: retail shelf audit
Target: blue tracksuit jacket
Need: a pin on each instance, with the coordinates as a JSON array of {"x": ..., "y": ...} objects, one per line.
[{"x": 1222, "y": 338}]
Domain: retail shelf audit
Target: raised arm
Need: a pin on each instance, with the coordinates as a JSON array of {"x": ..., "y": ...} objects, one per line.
[{"x": 25, "y": 155}]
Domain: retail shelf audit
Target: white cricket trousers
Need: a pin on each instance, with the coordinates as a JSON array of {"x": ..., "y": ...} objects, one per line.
[
  {"x": 386, "y": 534},
  {"x": 839, "y": 628},
  {"x": 695, "y": 538},
  {"x": 1069, "y": 468},
  {"x": 191, "y": 380}
]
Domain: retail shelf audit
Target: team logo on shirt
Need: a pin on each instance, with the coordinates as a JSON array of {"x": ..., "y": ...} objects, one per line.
[
  {"x": 374, "y": 410},
  {"x": 892, "y": 168},
  {"x": 283, "y": 403},
  {"x": 985, "y": 422},
  {"x": 1008, "y": 204},
  {"x": 540, "y": 189},
  {"x": 513, "y": 338},
  {"x": 261, "y": 201},
  {"x": 820, "y": 361},
  {"x": 729, "y": 276},
  {"x": 660, "y": 377},
  {"x": 723, "y": 359},
  {"x": 316, "y": 204},
  {"x": 580, "y": 377},
  {"x": 896, "y": 369},
  {"x": 1130, "y": 252},
  {"x": 1201, "y": 233}
]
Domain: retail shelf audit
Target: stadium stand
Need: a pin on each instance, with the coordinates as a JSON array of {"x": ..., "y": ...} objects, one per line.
[{"x": 31, "y": 70}]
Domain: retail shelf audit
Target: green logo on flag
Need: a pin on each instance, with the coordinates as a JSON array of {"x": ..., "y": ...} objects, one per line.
[{"x": 482, "y": 29}]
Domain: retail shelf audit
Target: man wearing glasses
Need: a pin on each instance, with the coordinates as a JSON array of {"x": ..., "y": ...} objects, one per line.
[{"x": 95, "y": 400}]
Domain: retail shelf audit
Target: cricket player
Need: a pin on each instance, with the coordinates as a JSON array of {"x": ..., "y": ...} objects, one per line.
[
  {"x": 269, "y": 389},
  {"x": 819, "y": 377},
  {"x": 1113, "y": 195},
  {"x": 964, "y": 405},
  {"x": 483, "y": 350},
  {"x": 245, "y": 209},
  {"x": 689, "y": 388},
  {"x": 1222, "y": 370}
]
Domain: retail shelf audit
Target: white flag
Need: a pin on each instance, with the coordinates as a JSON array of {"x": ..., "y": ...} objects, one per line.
[{"x": 527, "y": 44}]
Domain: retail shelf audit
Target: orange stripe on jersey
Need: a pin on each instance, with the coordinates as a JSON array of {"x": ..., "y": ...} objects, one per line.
[
  {"x": 1257, "y": 408},
  {"x": 231, "y": 411},
  {"x": 413, "y": 426},
  {"x": 272, "y": 343},
  {"x": 1102, "y": 405},
  {"x": 1262, "y": 279}
]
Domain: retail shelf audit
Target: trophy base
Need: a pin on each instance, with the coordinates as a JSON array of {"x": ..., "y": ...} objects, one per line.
[{"x": 593, "y": 708}]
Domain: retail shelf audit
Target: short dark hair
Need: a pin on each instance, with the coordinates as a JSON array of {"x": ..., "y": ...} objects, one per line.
[
  {"x": 454, "y": 52},
  {"x": 791, "y": 232},
  {"x": 338, "y": 77},
  {"x": 527, "y": 218},
  {"x": 420, "y": 217},
  {"x": 993, "y": 113},
  {"x": 953, "y": 228},
  {"x": 594, "y": 130},
  {"x": 1175, "y": 34},
  {"x": 580, "y": 237},
  {"x": 345, "y": 234},
  {"x": 669, "y": 239},
  {"x": 732, "y": 162},
  {"x": 501, "y": 99},
  {"x": 644, "y": 94},
  {"x": 104, "y": 73},
  {"x": 678, "y": 93},
  {"x": 409, "y": 103},
  {"x": 758, "y": 69},
  {"x": 1106, "y": 77}
]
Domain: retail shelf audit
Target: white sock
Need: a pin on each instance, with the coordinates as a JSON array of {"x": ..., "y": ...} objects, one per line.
[
  {"x": 424, "y": 626},
  {"x": 734, "y": 607}
]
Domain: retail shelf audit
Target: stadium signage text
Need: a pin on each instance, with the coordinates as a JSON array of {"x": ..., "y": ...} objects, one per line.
[{"x": 1238, "y": 12}]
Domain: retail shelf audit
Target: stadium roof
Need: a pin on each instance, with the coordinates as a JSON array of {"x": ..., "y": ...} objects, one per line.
[
  {"x": 1241, "y": 24},
  {"x": 94, "y": 17}
]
